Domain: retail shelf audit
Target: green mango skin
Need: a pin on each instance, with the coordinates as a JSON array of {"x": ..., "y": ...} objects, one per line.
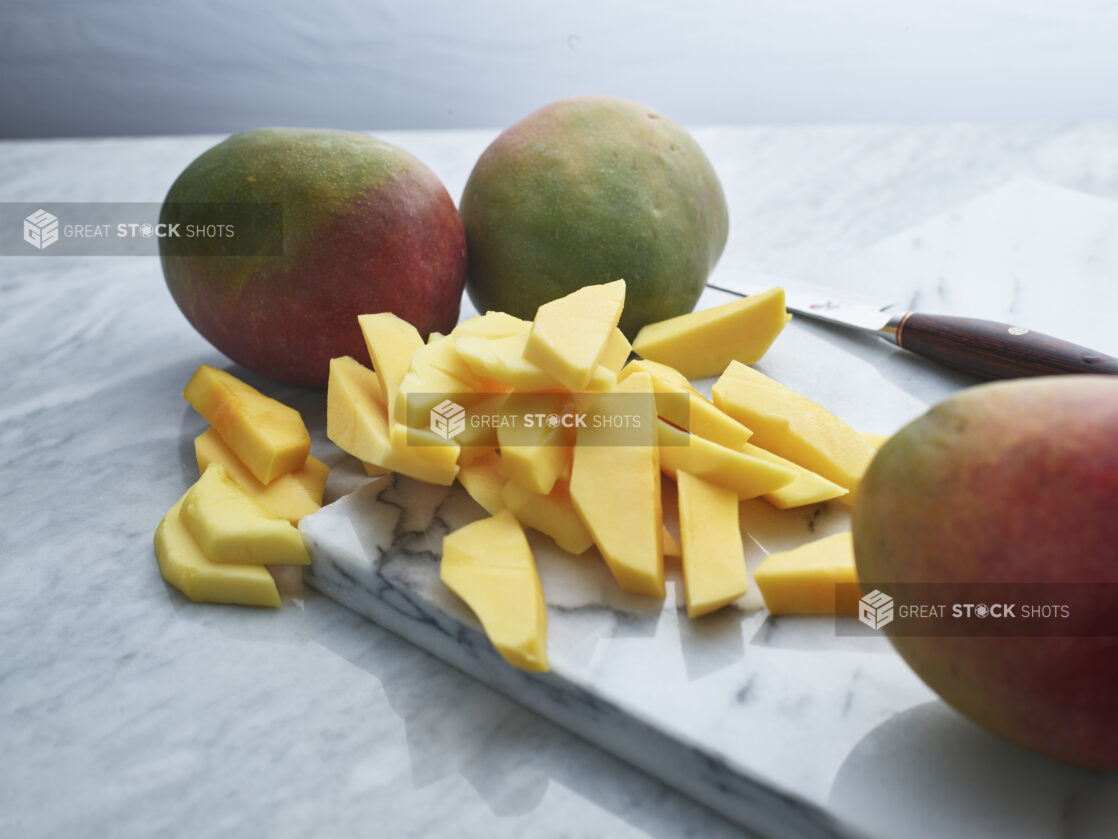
[
  {"x": 366, "y": 228},
  {"x": 1007, "y": 482},
  {"x": 590, "y": 190}
]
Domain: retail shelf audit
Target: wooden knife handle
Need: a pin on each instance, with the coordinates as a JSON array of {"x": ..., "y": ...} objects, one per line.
[{"x": 995, "y": 350}]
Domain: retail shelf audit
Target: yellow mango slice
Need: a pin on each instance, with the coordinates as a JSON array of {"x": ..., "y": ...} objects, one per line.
[
  {"x": 807, "y": 488},
  {"x": 290, "y": 496},
  {"x": 671, "y": 546},
  {"x": 183, "y": 565},
  {"x": 789, "y": 424},
  {"x": 552, "y": 515},
  {"x": 713, "y": 558},
  {"x": 874, "y": 439},
  {"x": 391, "y": 342},
  {"x": 267, "y": 436},
  {"x": 701, "y": 344},
  {"x": 696, "y": 413},
  {"x": 617, "y": 351},
  {"x": 616, "y": 491},
  {"x": 437, "y": 372},
  {"x": 483, "y": 479},
  {"x": 230, "y": 527},
  {"x": 358, "y": 423},
  {"x": 569, "y": 335},
  {"x": 802, "y": 581},
  {"x": 746, "y": 475},
  {"x": 536, "y": 457},
  {"x": 489, "y": 565},
  {"x": 492, "y": 325}
]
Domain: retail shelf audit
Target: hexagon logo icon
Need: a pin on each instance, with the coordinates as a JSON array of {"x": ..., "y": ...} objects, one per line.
[
  {"x": 875, "y": 610},
  {"x": 448, "y": 419},
  {"x": 40, "y": 229}
]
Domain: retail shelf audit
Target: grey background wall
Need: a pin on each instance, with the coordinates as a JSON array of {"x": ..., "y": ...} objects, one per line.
[{"x": 119, "y": 67}]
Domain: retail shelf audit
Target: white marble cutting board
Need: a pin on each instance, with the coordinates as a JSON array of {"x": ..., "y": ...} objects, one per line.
[{"x": 779, "y": 724}]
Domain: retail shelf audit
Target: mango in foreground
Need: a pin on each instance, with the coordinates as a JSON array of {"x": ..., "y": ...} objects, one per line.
[
  {"x": 789, "y": 424},
  {"x": 230, "y": 527},
  {"x": 803, "y": 581},
  {"x": 290, "y": 496},
  {"x": 489, "y": 565},
  {"x": 267, "y": 436},
  {"x": 569, "y": 335},
  {"x": 806, "y": 488},
  {"x": 183, "y": 565},
  {"x": 701, "y": 344},
  {"x": 746, "y": 475},
  {"x": 551, "y": 514},
  {"x": 713, "y": 558}
]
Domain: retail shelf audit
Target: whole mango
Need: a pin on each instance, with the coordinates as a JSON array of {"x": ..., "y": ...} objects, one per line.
[
  {"x": 589, "y": 190},
  {"x": 366, "y": 228},
  {"x": 1015, "y": 484}
]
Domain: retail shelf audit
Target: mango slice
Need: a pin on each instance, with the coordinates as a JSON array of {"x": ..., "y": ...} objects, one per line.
[
  {"x": 552, "y": 515},
  {"x": 267, "y": 436},
  {"x": 391, "y": 342},
  {"x": 569, "y": 335},
  {"x": 489, "y": 565},
  {"x": 290, "y": 496},
  {"x": 538, "y": 464},
  {"x": 789, "y": 424},
  {"x": 358, "y": 423},
  {"x": 617, "y": 351},
  {"x": 230, "y": 527},
  {"x": 746, "y": 475},
  {"x": 696, "y": 413},
  {"x": 616, "y": 491},
  {"x": 802, "y": 581},
  {"x": 183, "y": 565},
  {"x": 701, "y": 344},
  {"x": 483, "y": 479},
  {"x": 807, "y": 488},
  {"x": 874, "y": 439},
  {"x": 713, "y": 558}
]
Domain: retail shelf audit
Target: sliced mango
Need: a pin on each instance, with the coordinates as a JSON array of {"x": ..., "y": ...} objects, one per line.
[
  {"x": 616, "y": 492},
  {"x": 569, "y": 335},
  {"x": 391, "y": 342},
  {"x": 802, "y": 581},
  {"x": 789, "y": 424},
  {"x": 874, "y": 439},
  {"x": 183, "y": 565},
  {"x": 536, "y": 457},
  {"x": 290, "y": 496},
  {"x": 695, "y": 413},
  {"x": 267, "y": 436},
  {"x": 701, "y": 344},
  {"x": 489, "y": 565},
  {"x": 230, "y": 527},
  {"x": 807, "y": 488},
  {"x": 502, "y": 359},
  {"x": 713, "y": 558},
  {"x": 436, "y": 373},
  {"x": 617, "y": 351},
  {"x": 746, "y": 475},
  {"x": 552, "y": 515},
  {"x": 483, "y": 479},
  {"x": 358, "y": 423}
]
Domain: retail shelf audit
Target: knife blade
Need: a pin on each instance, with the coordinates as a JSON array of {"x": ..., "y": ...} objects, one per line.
[{"x": 984, "y": 348}]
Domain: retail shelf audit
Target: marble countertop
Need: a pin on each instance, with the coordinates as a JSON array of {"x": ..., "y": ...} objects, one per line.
[{"x": 126, "y": 710}]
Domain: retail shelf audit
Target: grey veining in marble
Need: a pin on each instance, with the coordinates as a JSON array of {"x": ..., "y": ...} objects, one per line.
[{"x": 126, "y": 710}]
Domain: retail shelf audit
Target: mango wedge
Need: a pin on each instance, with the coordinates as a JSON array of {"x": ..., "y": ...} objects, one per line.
[
  {"x": 789, "y": 424},
  {"x": 802, "y": 581},
  {"x": 745, "y": 475},
  {"x": 184, "y": 566},
  {"x": 290, "y": 496},
  {"x": 552, "y": 515},
  {"x": 483, "y": 479},
  {"x": 616, "y": 491},
  {"x": 490, "y": 566},
  {"x": 694, "y": 412},
  {"x": 436, "y": 373},
  {"x": 230, "y": 527},
  {"x": 701, "y": 344},
  {"x": 391, "y": 342},
  {"x": 569, "y": 335},
  {"x": 713, "y": 558},
  {"x": 267, "y": 436},
  {"x": 358, "y": 423},
  {"x": 807, "y": 488},
  {"x": 617, "y": 351}
]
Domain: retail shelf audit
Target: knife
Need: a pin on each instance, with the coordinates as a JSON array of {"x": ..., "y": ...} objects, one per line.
[{"x": 984, "y": 348}]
